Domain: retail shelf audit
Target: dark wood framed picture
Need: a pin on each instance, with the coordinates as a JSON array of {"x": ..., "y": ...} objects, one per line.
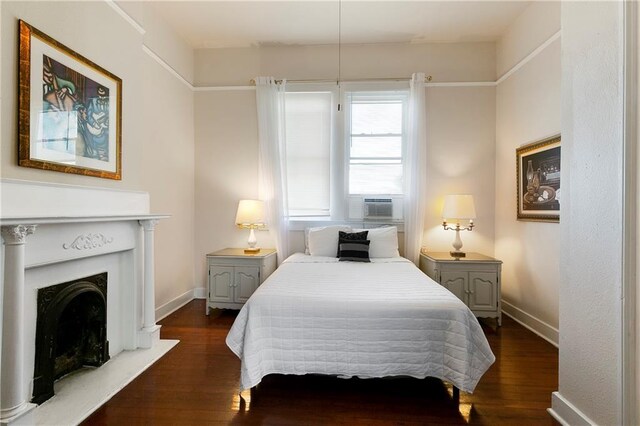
[
  {"x": 70, "y": 109},
  {"x": 538, "y": 176}
]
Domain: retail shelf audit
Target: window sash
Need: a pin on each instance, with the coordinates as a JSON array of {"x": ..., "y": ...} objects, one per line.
[
  {"x": 308, "y": 152},
  {"x": 357, "y": 183}
]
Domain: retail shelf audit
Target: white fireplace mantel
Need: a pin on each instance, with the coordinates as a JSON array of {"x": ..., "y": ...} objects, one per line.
[
  {"x": 113, "y": 235},
  {"x": 40, "y": 220}
]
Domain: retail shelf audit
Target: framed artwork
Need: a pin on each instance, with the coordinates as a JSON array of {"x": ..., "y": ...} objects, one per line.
[
  {"x": 69, "y": 110},
  {"x": 538, "y": 176}
]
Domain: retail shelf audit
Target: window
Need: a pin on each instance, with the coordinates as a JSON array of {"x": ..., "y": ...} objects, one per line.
[
  {"x": 376, "y": 135},
  {"x": 334, "y": 158},
  {"x": 308, "y": 145}
]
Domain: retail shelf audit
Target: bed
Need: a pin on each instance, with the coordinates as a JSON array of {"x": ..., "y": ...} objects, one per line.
[{"x": 315, "y": 314}]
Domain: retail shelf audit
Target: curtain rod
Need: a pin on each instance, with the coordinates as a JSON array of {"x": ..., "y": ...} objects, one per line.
[{"x": 354, "y": 80}]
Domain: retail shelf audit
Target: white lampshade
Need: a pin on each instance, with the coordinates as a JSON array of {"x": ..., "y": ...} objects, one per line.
[
  {"x": 459, "y": 207},
  {"x": 250, "y": 213}
]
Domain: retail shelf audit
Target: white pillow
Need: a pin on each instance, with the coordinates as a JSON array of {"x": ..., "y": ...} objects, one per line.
[
  {"x": 384, "y": 241},
  {"x": 323, "y": 241}
]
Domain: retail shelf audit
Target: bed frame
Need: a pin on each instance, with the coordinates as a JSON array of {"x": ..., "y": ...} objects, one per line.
[{"x": 455, "y": 397}]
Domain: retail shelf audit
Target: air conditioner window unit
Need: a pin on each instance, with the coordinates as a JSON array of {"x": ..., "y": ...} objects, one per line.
[{"x": 378, "y": 208}]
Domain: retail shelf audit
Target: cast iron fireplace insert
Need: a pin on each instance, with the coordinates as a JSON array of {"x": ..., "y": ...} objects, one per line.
[{"x": 71, "y": 331}]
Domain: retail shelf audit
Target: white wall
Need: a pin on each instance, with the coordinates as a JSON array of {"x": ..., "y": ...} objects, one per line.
[
  {"x": 460, "y": 160},
  {"x": 446, "y": 62},
  {"x": 461, "y": 130},
  {"x": 157, "y": 118},
  {"x": 167, "y": 172},
  {"x": 531, "y": 29},
  {"x": 592, "y": 158},
  {"x": 528, "y": 109},
  {"x": 226, "y": 132}
]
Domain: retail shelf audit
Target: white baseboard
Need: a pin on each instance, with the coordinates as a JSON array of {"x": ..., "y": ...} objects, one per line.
[
  {"x": 566, "y": 413},
  {"x": 199, "y": 293},
  {"x": 173, "y": 305},
  {"x": 177, "y": 303},
  {"x": 528, "y": 321}
]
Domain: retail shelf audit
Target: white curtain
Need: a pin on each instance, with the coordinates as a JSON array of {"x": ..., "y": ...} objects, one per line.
[
  {"x": 271, "y": 159},
  {"x": 415, "y": 172}
]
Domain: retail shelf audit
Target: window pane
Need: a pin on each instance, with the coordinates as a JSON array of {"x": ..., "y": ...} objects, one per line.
[
  {"x": 375, "y": 179},
  {"x": 376, "y": 118},
  {"x": 308, "y": 138},
  {"x": 364, "y": 146}
]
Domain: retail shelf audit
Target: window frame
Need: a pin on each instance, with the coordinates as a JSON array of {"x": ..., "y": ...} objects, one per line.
[
  {"x": 401, "y": 95},
  {"x": 331, "y": 132},
  {"x": 340, "y": 143}
]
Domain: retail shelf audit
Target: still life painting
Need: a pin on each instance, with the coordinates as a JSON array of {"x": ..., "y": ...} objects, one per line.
[
  {"x": 538, "y": 175},
  {"x": 69, "y": 109}
]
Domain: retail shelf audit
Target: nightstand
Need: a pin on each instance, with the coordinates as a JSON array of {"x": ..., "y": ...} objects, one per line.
[
  {"x": 234, "y": 275},
  {"x": 474, "y": 279}
]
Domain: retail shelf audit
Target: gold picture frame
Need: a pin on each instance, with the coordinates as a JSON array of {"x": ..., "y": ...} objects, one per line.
[
  {"x": 538, "y": 180},
  {"x": 69, "y": 109}
]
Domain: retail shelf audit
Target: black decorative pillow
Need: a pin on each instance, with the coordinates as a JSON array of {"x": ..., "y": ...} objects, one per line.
[
  {"x": 353, "y": 250},
  {"x": 351, "y": 236}
]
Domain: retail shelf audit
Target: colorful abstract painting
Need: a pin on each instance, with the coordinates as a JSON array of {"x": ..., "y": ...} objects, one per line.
[{"x": 69, "y": 109}]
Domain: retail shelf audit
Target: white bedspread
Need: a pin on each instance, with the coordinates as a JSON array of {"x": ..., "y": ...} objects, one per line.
[{"x": 385, "y": 318}]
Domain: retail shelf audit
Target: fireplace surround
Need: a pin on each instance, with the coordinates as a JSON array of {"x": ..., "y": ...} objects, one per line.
[{"x": 64, "y": 236}]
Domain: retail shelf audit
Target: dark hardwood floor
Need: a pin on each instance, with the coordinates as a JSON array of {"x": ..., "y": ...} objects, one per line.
[{"x": 197, "y": 383}]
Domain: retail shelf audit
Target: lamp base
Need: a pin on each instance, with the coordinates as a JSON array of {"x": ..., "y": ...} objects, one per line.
[
  {"x": 252, "y": 250},
  {"x": 457, "y": 254}
]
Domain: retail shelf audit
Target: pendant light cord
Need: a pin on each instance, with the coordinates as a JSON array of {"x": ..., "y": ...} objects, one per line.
[
  {"x": 339, "y": 38},
  {"x": 339, "y": 48}
]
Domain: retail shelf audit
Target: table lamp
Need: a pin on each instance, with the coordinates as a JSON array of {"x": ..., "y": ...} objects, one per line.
[
  {"x": 250, "y": 215},
  {"x": 457, "y": 208}
]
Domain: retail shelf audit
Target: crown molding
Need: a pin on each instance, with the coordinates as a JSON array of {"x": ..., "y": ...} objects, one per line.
[
  {"x": 135, "y": 24},
  {"x": 166, "y": 66},
  {"x": 529, "y": 57}
]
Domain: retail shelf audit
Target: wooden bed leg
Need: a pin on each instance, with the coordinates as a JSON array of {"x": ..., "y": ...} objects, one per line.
[
  {"x": 245, "y": 398},
  {"x": 242, "y": 406},
  {"x": 456, "y": 395}
]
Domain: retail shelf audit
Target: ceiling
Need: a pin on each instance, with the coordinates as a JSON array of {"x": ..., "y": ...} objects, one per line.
[{"x": 220, "y": 24}]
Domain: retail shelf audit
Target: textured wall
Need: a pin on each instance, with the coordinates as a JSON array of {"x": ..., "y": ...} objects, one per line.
[{"x": 592, "y": 125}]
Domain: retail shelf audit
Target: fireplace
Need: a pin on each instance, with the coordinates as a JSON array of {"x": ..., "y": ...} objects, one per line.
[
  {"x": 71, "y": 331},
  {"x": 78, "y": 283}
]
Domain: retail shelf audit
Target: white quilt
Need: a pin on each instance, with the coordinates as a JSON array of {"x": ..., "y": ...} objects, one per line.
[{"x": 385, "y": 318}]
